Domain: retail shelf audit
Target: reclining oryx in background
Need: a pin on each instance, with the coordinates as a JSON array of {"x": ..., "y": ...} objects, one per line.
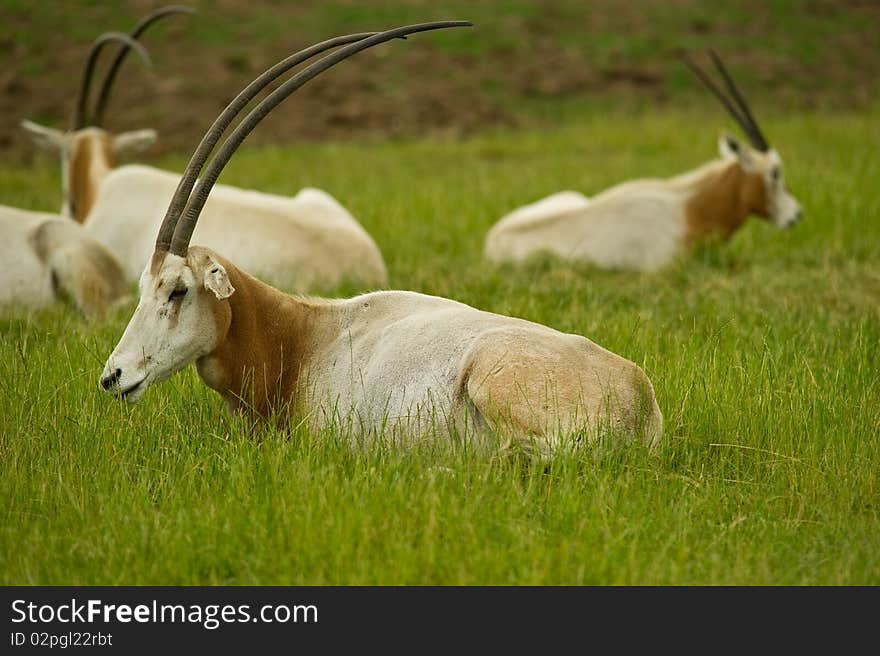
[
  {"x": 644, "y": 224},
  {"x": 300, "y": 242},
  {"x": 44, "y": 256},
  {"x": 390, "y": 363}
]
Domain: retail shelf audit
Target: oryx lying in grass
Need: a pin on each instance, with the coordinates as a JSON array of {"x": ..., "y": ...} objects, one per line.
[
  {"x": 392, "y": 363},
  {"x": 644, "y": 224},
  {"x": 295, "y": 242},
  {"x": 45, "y": 256}
]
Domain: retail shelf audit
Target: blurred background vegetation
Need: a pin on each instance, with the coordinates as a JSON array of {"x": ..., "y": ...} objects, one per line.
[{"x": 526, "y": 63}]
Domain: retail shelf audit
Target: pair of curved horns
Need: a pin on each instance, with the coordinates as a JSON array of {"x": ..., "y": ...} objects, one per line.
[
  {"x": 129, "y": 42},
  {"x": 180, "y": 221},
  {"x": 736, "y": 104}
]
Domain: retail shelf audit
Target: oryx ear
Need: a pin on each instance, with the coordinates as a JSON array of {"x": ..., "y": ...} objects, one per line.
[
  {"x": 217, "y": 281},
  {"x": 44, "y": 137},
  {"x": 134, "y": 142},
  {"x": 730, "y": 147}
]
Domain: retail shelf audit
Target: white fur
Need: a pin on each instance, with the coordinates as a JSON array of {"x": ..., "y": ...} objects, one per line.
[
  {"x": 293, "y": 243},
  {"x": 785, "y": 210},
  {"x": 44, "y": 253},
  {"x": 150, "y": 352},
  {"x": 562, "y": 202},
  {"x": 399, "y": 358},
  {"x": 638, "y": 225},
  {"x": 25, "y": 279},
  {"x": 63, "y": 144},
  {"x": 396, "y": 363}
]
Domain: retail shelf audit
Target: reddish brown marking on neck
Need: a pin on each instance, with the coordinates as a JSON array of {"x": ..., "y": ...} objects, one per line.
[
  {"x": 723, "y": 201},
  {"x": 90, "y": 160},
  {"x": 266, "y": 338}
]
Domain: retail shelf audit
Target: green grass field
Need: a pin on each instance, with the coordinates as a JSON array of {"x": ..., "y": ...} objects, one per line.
[{"x": 763, "y": 353}]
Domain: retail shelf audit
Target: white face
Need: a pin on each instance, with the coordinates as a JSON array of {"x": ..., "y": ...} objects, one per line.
[
  {"x": 783, "y": 209},
  {"x": 98, "y": 145},
  {"x": 174, "y": 324}
]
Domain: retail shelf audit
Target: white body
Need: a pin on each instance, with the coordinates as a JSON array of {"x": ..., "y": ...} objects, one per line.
[
  {"x": 44, "y": 255},
  {"x": 25, "y": 277},
  {"x": 402, "y": 365},
  {"x": 294, "y": 243},
  {"x": 635, "y": 225},
  {"x": 644, "y": 224},
  {"x": 395, "y": 364}
]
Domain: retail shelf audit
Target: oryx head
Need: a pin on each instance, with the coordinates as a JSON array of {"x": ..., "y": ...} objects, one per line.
[
  {"x": 773, "y": 201},
  {"x": 87, "y": 151},
  {"x": 185, "y": 292},
  {"x": 180, "y": 317}
]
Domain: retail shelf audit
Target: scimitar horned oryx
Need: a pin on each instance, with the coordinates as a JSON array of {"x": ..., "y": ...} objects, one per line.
[
  {"x": 644, "y": 224},
  {"x": 389, "y": 363},
  {"x": 44, "y": 256},
  {"x": 296, "y": 242}
]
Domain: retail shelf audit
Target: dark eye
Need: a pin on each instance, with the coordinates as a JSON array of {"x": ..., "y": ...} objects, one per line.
[
  {"x": 774, "y": 174},
  {"x": 179, "y": 292}
]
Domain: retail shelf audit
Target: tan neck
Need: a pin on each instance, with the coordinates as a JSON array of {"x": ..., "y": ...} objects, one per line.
[
  {"x": 91, "y": 160},
  {"x": 721, "y": 200},
  {"x": 266, "y": 338}
]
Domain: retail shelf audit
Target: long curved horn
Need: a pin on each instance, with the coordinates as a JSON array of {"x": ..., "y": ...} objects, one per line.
[
  {"x": 79, "y": 118},
  {"x": 135, "y": 33},
  {"x": 757, "y": 137},
  {"x": 185, "y": 226},
  {"x": 710, "y": 85},
  {"x": 738, "y": 110},
  {"x": 212, "y": 136}
]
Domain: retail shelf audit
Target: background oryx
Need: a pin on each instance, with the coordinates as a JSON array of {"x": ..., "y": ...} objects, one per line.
[
  {"x": 296, "y": 242},
  {"x": 87, "y": 151},
  {"x": 43, "y": 255},
  {"x": 644, "y": 224},
  {"x": 394, "y": 363}
]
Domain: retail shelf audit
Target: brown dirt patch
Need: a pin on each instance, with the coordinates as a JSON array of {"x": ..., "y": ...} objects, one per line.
[{"x": 414, "y": 88}]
